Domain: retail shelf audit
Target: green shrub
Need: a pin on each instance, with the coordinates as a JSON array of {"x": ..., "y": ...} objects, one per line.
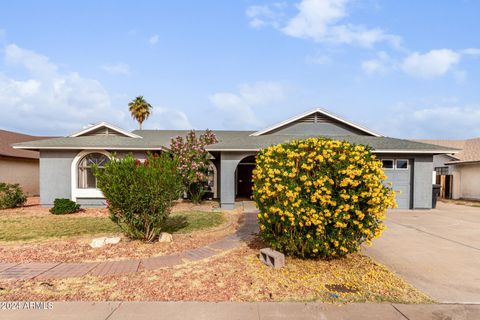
[
  {"x": 319, "y": 197},
  {"x": 140, "y": 195},
  {"x": 11, "y": 196},
  {"x": 64, "y": 206}
]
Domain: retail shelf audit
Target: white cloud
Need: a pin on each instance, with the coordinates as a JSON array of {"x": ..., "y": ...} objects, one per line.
[
  {"x": 445, "y": 120},
  {"x": 264, "y": 15},
  {"x": 237, "y": 109},
  {"x": 321, "y": 21},
  {"x": 38, "y": 65},
  {"x": 380, "y": 65},
  {"x": 471, "y": 51},
  {"x": 48, "y": 101},
  {"x": 320, "y": 59},
  {"x": 432, "y": 64},
  {"x": 428, "y": 65},
  {"x": 117, "y": 68},
  {"x": 167, "y": 118},
  {"x": 154, "y": 39}
]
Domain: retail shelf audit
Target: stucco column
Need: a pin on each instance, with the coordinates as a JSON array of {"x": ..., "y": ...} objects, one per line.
[
  {"x": 228, "y": 165},
  {"x": 422, "y": 182}
]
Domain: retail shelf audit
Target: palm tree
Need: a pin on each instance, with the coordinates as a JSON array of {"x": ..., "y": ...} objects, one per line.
[{"x": 140, "y": 109}]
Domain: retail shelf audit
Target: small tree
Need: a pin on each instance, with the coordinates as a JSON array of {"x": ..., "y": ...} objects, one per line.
[
  {"x": 140, "y": 110},
  {"x": 319, "y": 197},
  {"x": 140, "y": 195},
  {"x": 193, "y": 161}
]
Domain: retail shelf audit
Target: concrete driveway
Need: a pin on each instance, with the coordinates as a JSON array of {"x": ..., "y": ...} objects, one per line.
[{"x": 437, "y": 251}]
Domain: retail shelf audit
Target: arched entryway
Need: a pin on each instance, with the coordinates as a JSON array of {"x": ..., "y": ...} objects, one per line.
[{"x": 243, "y": 178}]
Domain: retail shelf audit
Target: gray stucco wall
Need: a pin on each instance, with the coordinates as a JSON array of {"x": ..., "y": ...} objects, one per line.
[
  {"x": 228, "y": 165},
  {"x": 422, "y": 182},
  {"x": 421, "y": 178},
  {"x": 92, "y": 202},
  {"x": 439, "y": 161},
  {"x": 55, "y": 175}
]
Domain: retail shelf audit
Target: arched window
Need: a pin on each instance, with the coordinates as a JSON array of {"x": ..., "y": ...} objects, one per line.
[{"x": 86, "y": 178}]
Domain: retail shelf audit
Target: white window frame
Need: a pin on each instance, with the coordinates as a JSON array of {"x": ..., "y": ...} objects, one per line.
[
  {"x": 402, "y": 169},
  {"x": 393, "y": 164},
  {"x": 84, "y": 192}
]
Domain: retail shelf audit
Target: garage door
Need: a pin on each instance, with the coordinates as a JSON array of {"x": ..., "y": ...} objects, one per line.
[{"x": 398, "y": 172}]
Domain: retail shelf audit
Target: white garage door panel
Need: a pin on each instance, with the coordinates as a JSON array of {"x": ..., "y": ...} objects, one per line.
[{"x": 400, "y": 180}]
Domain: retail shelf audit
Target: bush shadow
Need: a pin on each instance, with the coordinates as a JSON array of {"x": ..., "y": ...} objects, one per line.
[{"x": 175, "y": 223}]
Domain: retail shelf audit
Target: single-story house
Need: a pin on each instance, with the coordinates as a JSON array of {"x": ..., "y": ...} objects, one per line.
[
  {"x": 65, "y": 163},
  {"x": 458, "y": 174},
  {"x": 17, "y": 165}
]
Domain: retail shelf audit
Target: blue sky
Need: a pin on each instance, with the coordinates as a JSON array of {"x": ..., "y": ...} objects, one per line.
[{"x": 408, "y": 69}]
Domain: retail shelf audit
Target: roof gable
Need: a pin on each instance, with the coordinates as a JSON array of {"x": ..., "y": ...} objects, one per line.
[
  {"x": 319, "y": 117},
  {"x": 104, "y": 129}
]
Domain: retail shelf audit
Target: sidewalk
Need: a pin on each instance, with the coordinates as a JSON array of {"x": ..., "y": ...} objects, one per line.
[{"x": 243, "y": 310}]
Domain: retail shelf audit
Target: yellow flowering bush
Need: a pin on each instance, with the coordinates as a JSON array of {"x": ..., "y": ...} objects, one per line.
[{"x": 320, "y": 197}]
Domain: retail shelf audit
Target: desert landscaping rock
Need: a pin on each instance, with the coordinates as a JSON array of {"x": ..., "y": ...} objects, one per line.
[
  {"x": 165, "y": 237},
  {"x": 100, "y": 242}
]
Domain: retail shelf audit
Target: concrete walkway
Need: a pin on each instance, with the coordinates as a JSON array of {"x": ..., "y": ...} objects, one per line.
[
  {"x": 23, "y": 271},
  {"x": 240, "y": 310},
  {"x": 437, "y": 251}
]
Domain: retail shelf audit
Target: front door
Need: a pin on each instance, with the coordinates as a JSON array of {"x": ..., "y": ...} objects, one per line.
[{"x": 244, "y": 180}]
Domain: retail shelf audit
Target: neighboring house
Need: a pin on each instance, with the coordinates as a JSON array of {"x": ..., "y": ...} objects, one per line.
[
  {"x": 65, "y": 163},
  {"x": 458, "y": 174},
  {"x": 19, "y": 166}
]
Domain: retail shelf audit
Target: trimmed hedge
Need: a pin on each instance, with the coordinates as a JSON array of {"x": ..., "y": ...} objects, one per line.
[
  {"x": 64, "y": 206},
  {"x": 320, "y": 197}
]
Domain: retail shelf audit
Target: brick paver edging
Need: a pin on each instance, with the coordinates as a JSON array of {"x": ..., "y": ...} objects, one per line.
[{"x": 24, "y": 271}]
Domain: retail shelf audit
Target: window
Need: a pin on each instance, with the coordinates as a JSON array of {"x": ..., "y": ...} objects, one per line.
[
  {"x": 441, "y": 171},
  {"x": 86, "y": 178},
  {"x": 402, "y": 164},
  {"x": 387, "y": 164}
]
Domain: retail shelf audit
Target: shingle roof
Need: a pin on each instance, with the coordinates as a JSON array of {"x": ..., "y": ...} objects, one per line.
[
  {"x": 150, "y": 140},
  {"x": 7, "y": 138},
  {"x": 228, "y": 140},
  {"x": 470, "y": 149},
  {"x": 378, "y": 143}
]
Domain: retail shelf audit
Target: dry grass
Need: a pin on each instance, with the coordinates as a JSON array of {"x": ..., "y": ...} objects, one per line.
[
  {"x": 24, "y": 226},
  {"x": 236, "y": 276},
  {"x": 35, "y": 237}
]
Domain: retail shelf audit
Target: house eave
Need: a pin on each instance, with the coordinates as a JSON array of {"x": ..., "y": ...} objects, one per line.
[
  {"x": 417, "y": 151},
  {"x": 91, "y": 148},
  {"x": 373, "y": 151},
  {"x": 462, "y": 162},
  {"x": 107, "y": 125}
]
